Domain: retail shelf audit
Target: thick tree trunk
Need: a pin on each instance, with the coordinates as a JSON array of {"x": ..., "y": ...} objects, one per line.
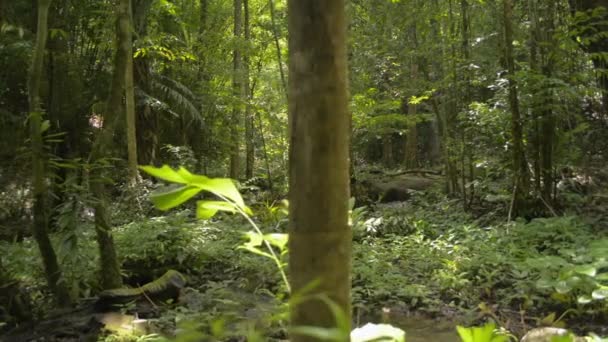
[
  {"x": 41, "y": 208},
  {"x": 520, "y": 166},
  {"x": 237, "y": 92},
  {"x": 319, "y": 235}
]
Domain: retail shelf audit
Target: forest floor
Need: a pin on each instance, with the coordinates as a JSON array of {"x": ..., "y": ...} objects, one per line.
[{"x": 422, "y": 264}]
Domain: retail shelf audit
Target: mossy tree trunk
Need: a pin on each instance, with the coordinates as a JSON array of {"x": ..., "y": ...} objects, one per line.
[
  {"x": 320, "y": 238},
  {"x": 41, "y": 209},
  {"x": 130, "y": 97},
  {"x": 102, "y": 149}
]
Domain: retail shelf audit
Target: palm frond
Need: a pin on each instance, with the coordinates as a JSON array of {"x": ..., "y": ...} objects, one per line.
[{"x": 177, "y": 98}]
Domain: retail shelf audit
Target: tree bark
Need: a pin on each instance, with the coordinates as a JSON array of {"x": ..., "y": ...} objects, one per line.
[
  {"x": 520, "y": 166},
  {"x": 110, "y": 267},
  {"x": 41, "y": 207},
  {"x": 275, "y": 35},
  {"x": 319, "y": 235},
  {"x": 130, "y": 95},
  {"x": 248, "y": 96},
  {"x": 146, "y": 124},
  {"x": 411, "y": 143},
  {"x": 237, "y": 92}
]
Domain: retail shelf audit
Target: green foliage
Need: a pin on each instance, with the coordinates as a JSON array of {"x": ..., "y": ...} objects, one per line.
[
  {"x": 487, "y": 333},
  {"x": 232, "y": 202}
]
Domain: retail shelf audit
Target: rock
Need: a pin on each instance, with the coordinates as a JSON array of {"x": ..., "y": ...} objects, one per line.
[
  {"x": 395, "y": 189},
  {"x": 545, "y": 334}
]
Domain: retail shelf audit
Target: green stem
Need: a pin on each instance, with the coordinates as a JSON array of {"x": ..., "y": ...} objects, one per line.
[{"x": 266, "y": 243}]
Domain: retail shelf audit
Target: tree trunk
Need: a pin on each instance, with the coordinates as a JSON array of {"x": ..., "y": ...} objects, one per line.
[
  {"x": 548, "y": 119},
  {"x": 237, "y": 92},
  {"x": 275, "y": 35},
  {"x": 248, "y": 95},
  {"x": 411, "y": 143},
  {"x": 110, "y": 267},
  {"x": 594, "y": 30},
  {"x": 319, "y": 235},
  {"x": 130, "y": 97},
  {"x": 41, "y": 207},
  {"x": 146, "y": 119},
  {"x": 520, "y": 166}
]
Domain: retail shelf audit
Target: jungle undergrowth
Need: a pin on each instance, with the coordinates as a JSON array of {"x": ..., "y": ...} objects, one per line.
[{"x": 424, "y": 257}]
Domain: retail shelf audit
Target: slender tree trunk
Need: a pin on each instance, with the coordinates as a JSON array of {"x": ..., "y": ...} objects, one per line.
[
  {"x": 411, "y": 143},
  {"x": 275, "y": 34},
  {"x": 110, "y": 267},
  {"x": 248, "y": 95},
  {"x": 548, "y": 118},
  {"x": 387, "y": 149},
  {"x": 520, "y": 166},
  {"x": 467, "y": 153},
  {"x": 41, "y": 208},
  {"x": 319, "y": 235},
  {"x": 130, "y": 98},
  {"x": 237, "y": 92},
  {"x": 146, "y": 120}
]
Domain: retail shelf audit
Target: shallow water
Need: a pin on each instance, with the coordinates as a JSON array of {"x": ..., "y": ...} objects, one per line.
[
  {"x": 421, "y": 329},
  {"x": 425, "y": 330}
]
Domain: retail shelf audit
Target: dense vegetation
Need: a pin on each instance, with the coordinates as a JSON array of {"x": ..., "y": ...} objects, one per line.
[{"x": 470, "y": 135}]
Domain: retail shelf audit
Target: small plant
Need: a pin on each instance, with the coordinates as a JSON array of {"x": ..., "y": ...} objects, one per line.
[{"x": 231, "y": 201}]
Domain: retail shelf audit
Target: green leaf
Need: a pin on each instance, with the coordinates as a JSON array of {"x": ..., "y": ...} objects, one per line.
[
  {"x": 480, "y": 334},
  {"x": 165, "y": 200},
  {"x": 207, "y": 209},
  {"x": 584, "y": 299},
  {"x": 602, "y": 276},
  {"x": 586, "y": 270},
  {"x": 44, "y": 126},
  {"x": 277, "y": 240},
  {"x": 562, "y": 287},
  {"x": 600, "y": 294},
  {"x": 165, "y": 173}
]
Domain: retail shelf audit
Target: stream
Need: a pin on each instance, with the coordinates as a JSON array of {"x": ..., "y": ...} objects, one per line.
[{"x": 422, "y": 329}]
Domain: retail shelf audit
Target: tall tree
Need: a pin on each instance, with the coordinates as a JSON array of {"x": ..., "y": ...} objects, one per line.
[
  {"x": 320, "y": 238},
  {"x": 237, "y": 88},
  {"x": 247, "y": 95},
  {"x": 102, "y": 149},
  {"x": 41, "y": 208},
  {"x": 411, "y": 143},
  {"x": 130, "y": 99},
  {"x": 520, "y": 166}
]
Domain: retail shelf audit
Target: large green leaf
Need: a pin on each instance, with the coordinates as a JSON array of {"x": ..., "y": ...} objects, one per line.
[
  {"x": 586, "y": 270},
  {"x": 165, "y": 173},
  {"x": 480, "y": 334},
  {"x": 207, "y": 209},
  {"x": 167, "y": 199}
]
